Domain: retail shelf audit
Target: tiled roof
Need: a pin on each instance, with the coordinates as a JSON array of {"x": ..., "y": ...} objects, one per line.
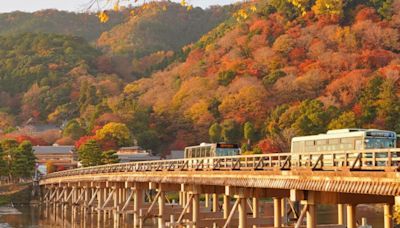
[{"x": 52, "y": 149}]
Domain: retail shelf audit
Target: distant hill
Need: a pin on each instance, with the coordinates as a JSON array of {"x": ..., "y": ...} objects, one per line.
[
  {"x": 84, "y": 25},
  {"x": 160, "y": 27}
]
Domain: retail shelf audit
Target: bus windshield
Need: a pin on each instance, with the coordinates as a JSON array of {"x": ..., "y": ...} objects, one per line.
[
  {"x": 376, "y": 143},
  {"x": 227, "y": 151}
]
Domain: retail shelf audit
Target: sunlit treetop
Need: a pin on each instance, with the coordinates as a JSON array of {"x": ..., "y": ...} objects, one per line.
[{"x": 160, "y": 5}]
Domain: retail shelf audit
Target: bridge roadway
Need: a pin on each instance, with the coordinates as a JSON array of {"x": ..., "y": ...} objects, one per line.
[{"x": 296, "y": 183}]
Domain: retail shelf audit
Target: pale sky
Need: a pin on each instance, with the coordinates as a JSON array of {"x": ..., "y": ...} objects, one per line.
[{"x": 79, "y": 5}]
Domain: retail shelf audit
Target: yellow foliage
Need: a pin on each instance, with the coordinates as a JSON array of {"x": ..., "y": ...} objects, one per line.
[
  {"x": 115, "y": 131},
  {"x": 300, "y": 4},
  {"x": 241, "y": 15},
  {"x": 131, "y": 88},
  {"x": 103, "y": 17},
  {"x": 332, "y": 7},
  {"x": 116, "y": 6}
]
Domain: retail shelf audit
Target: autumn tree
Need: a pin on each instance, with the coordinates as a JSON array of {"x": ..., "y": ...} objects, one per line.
[
  {"x": 118, "y": 132},
  {"x": 215, "y": 133}
]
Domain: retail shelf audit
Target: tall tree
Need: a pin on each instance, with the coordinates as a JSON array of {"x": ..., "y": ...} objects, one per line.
[
  {"x": 90, "y": 154},
  {"x": 231, "y": 132},
  {"x": 215, "y": 133}
]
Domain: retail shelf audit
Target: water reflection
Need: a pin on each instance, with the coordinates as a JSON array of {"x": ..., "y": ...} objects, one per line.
[{"x": 79, "y": 217}]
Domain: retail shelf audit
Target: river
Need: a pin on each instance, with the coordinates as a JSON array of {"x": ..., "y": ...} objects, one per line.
[{"x": 40, "y": 217}]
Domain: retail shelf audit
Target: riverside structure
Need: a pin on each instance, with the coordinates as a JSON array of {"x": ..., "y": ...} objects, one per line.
[{"x": 237, "y": 183}]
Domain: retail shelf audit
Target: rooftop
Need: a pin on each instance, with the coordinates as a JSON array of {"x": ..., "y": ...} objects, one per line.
[{"x": 53, "y": 149}]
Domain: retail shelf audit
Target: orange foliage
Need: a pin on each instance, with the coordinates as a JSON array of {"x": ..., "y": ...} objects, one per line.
[{"x": 267, "y": 146}]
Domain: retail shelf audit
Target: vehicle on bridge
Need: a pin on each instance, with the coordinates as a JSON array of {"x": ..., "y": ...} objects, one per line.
[
  {"x": 212, "y": 150},
  {"x": 352, "y": 139}
]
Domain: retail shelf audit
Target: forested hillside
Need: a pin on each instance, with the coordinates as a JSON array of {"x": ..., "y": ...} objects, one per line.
[
  {"x": 272, "y": 70},
  {"x": 160, "y": 27},
  {"x": 59, "y": 22},
  {"x": 277, "y": 70}
]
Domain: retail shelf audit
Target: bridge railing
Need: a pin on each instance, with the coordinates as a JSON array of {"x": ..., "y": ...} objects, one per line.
[{"x": 367, "y": 160}]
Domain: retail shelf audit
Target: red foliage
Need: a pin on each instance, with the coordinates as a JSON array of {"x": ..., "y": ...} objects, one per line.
[
  {"x": 267, "y": 146},
  {"x": 260, "y": 25},
  {"x": 357, "y": 109},
  {"x": 367, "y": 14},
  {"x": 376, "y": 58},
  {"x": 297, "y": 54},
  {"x": 34, "y": 141},
  {"x": 60, "y": 168},
  {"x": 96, "y": 128},
  {"x": 83, "y": 140},
  {"x": 108, "y": 145},
  {"x": 65, "y": 141}
]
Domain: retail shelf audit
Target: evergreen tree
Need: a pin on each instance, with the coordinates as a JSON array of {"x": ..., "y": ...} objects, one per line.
[
  {"x": 90, "y": 154},
  {"x": 231, "y": 132},
  {"x": 215, "y": 133},
  {"x": 249, "y": 132},
  {"x": 74, "y": 130},
  {"x": 109, "y": 157}
]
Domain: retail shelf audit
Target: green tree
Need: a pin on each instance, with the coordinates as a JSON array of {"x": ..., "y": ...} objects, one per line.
[
  {"x": 311, "y": 118},
  {"x": 109, "y": 157},
  {"x": 231, "y": 132},
  {"x": 28, "y": 159},
  {"x": 345, "y": 120},
  {"x": 74, "y": 130},
  {"x": 388, "y": 105},
  {"x": 368, "y": 98},
  {"x": 215, "y": 133},
  {"x": 249, "y": 133},
  {"x": 90, "y": 154}
]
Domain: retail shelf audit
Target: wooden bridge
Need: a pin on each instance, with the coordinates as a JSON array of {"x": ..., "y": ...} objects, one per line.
[{"x": 295, "y": 183}]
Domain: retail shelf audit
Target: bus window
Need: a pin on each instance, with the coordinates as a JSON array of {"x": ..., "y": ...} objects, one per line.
[{"x": 376, "y": 143}]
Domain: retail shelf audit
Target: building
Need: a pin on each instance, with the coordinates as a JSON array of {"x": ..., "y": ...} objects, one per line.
[
  {"x": 175, "y": 154},
  {"x": 135, "y": 154},
  {"x": 62, "y": 157}
]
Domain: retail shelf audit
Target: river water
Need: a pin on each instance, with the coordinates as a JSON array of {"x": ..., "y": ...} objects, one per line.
[{"x": 42, "y": 217}]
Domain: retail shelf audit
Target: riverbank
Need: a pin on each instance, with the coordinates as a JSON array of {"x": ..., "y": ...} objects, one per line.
[{"x": 15, "y": 194}]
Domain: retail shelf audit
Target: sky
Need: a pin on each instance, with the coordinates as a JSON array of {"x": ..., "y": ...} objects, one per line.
[{"x": 79, "y": 5}]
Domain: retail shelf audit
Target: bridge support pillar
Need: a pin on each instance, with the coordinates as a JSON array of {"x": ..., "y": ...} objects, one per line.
[
  {"x": 116, "y": 209},
  {"x": 161, "y": 207},
  {"x": 137, "y": 205},
  {"x": 388, "y": 215},
  {"x": 311, "y": 219},
  {"x": 255, "y": 206},
  {"x": 196, "y": 210},
  {"x": 277, "y": 212},
  {"x": 242, "y": 213},
  {"x": 340, "y": 214},
  {"x": 100, "y": 202},
  {"x": 351, "y": 215},
  {"x": 214, "y": 202},
  {"x": 227, "y": 206},
  {"x": 206, "y": 200}
]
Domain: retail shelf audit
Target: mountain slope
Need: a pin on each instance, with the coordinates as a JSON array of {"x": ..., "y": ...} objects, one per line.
[
  {"x": 160, "y": 27},
  {"x": 298, "y": 74},
  {"x": 84, "y": 25}
]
